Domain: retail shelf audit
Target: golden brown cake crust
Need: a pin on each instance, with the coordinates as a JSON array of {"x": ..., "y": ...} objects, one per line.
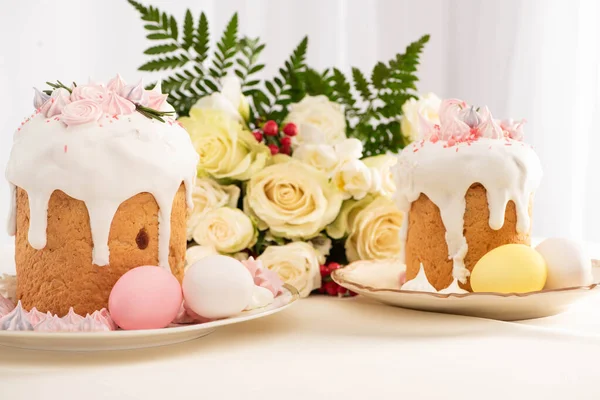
[
  {"x": 61, "y": 275},
  {"x": 426, "y": 242}
]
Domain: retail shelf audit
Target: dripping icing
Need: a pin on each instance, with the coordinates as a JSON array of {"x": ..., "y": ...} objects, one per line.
[
  {"x": 507, "y": 173},
  {"x": 104, "y": 167}
]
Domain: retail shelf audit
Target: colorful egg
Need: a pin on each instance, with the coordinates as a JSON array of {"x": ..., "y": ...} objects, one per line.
[
  {"x": 217, "y": 287},
  {"x": 512, "y": 268},
  {"x": 568, "y": 263},
  {"x": 145, "y": 298}
]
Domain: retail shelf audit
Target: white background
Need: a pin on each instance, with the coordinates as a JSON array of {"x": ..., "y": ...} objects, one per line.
[{"x": 531, "y": 59}]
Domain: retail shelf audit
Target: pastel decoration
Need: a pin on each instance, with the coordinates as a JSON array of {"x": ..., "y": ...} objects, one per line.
[
  {"x": 512, "y": 268},
  {"x": 217, "y": 287},
  {"x": 146, "y": 297},
  {"x": 35, "y": 316},
  {"x": 16, "y": 320},
  {"x": 72, "y": 318},
  {"x": 52, "y": 324},
  {"x": 117, "y": 105},
  {"x": 59, "y": 99},
  {"x": 568, "y": 263},
  {"x": 39, "y": 98}
]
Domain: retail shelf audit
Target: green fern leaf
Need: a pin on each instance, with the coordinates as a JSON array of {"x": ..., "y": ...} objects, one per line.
[
  {"x": 173, "y": 27},
  {"x": 139, "y": 6},
  {"x": 161, "y": 49},
  {"x": 201, "y": 44},
  {"x": 361, "y": 84},
  {"x": 380, "y": 75},
  {"x": 227, "y": 49},
  {"x": 165, "y": 63},
  {"x": 188, "y": 30}
]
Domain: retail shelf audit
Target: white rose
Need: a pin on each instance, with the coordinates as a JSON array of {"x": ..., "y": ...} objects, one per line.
[
  {"x": 229, "y": 100},
  {"x": 381, "y": 171},
  {"x": 427, "y": 106},
  {"x": 349, "y": 149},
  {"x": 226, "y": 229},
  {"x": 375, "y": 231},
  {"x": 353, "y": 178},
  {"x": 319, "y": 121},
  {"x": 296, "y": 264},
  {"x": 320, "y": 156},
  {"x": 196, "y": 253},
  {"x": 208, "y": 195},
  {"x": 292, "y": 199}
]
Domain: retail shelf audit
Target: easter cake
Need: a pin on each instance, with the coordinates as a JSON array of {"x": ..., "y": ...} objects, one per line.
[
  {"x": 466, "y": 187},
  {"x": 101, "y": 179}
]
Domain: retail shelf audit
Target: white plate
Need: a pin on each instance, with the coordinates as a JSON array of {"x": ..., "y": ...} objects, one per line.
[
  {"x": 120, "y": 340},
  {"x": 379, "y": 281}
]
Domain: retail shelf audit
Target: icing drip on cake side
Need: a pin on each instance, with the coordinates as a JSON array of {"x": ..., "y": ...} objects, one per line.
[
  {"x": 507, "y": 169},
  {"x": 102, "y": 163}
]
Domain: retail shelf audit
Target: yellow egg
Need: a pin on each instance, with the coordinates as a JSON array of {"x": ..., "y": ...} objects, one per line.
[{"x": 512, "y": 268}]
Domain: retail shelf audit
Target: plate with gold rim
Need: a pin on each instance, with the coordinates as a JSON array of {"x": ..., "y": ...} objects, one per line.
[
  {"x": 124, "y": 340},
  {"x": 379, "y": 280}
]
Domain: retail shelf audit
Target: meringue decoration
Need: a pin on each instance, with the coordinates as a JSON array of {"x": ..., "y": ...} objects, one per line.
[
  {"x": 217, "y": 287},
  {"x": 72, "y": 318},
  {"x": 81, "y": 112},
  {"x": 89, "y": 324},
  {"x": 103, "y": 316},
  {"x": 146, "y": 297},
  {"x": 156, "y": 99},
  {"x": 53, "y": 324},
  {"x": 35, "y": 316},
  {"x": 16, "y": 320},
  {"x": 55, "y": 105},
  {"x": 116, "y": 84},
  {"x": 6, "y": 306},
  {"x": 264, "y": 277},
  {"x": 488, "y": 127},
  {"x": 117, "y": 105},
  {"x": 135, "y": 93},
  {"x": 94, "y": 92},
  {"x": 39, "y": 98}
]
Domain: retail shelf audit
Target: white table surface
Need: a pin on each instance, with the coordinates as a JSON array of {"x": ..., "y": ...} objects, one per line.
[{"x": 325, "y": 348}]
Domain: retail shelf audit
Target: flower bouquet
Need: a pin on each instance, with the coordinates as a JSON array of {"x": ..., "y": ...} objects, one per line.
[{"x": 296, "y": 170}]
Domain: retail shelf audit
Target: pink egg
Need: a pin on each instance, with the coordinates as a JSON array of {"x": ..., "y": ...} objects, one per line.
[{"x": 145, "y": 298}]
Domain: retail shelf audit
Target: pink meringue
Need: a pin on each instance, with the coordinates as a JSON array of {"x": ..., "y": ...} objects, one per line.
[
  {"x": 116, "y": 84},
  {"x": 513, "y": 129},
  {"x": 117, "y": 105},
  {"x": 52, "y": 324},
  {"x": 6, "y": 306},
  {"x": 103, "y": 316},
  {"x": 89, "y": 324},
  {"x": 135, "y": 93},
  {"x": 81, "y": 112},
  {"x": 39, "y": 98},
  {"x": 35, "y": 316},
  {"x": 451, "y": 124},
  {"x": 264, "y": 277},
  {"x": 156, "y": 98},
  {"x": 59, "y": 99},
  {"x": 72, "y": 318},
  {"x": 94, "y": 92},
  {"x": 16, "y": 320},
  {"x": 488, "y": 127}
]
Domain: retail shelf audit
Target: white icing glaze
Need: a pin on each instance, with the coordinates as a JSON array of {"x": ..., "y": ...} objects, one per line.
[
  {"x": 508, "y": 169},
  {"x": 103, "y": 164},
  {"x": 420, "y": 283}
]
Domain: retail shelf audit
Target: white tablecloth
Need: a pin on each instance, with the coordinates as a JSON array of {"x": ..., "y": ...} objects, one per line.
[{"x": 334, "y": 348}]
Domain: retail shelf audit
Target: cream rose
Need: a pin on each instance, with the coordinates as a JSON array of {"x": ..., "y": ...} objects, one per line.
[
  {"x": 320, "y": 156},
  {"x": 375, "y": 232},
  {"x": 208, "y": 195},
  {"x": 195, "y": 253},
  {"x": 381, "y": 171},
  {"x": 229, "y": 100},
  {"x": 296, "y": 264},
  {"x": 319, "y": 121},
  {"x": 227, "y": 151},
  {"x": 292, "y": 199},
  {"x": 427, "y": 107},
  {"x": 353, "y": 178},
  {"x": 226, "y": 229}
]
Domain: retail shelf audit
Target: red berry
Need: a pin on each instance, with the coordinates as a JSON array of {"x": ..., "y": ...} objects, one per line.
[
  {"x": 342, "y": 290},
  {"x": 290, "y": 129},
  {"x": 271, "y": 128},
  {"x": 286, "y": 141},
  {"x": 274, "y": 149},
  {"x": 324, "y": 270},
  {"x": 352, "y": 294},
  {"x": 331, "y": 288},
  {"x": 258, "y": 135},
  {"x": 322, "y": 290},
  {"x": 286, "y": 150},
  {"x": 333, "y": 266}
]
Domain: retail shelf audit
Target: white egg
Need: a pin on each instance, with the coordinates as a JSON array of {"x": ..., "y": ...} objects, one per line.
[
  {"x": 217, "y": 287},
  {"x": 568, "y": 263}
]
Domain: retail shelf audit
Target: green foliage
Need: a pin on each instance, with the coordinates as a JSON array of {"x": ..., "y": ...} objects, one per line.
[{"x": 372, "y": 102}]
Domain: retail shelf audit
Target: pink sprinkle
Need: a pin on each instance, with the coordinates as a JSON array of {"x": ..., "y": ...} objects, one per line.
[
  {"x": 415, "y": 150},
  {"x": 179, "y": 123},
  {"x": 490, "y": 147},
  {"x": 170, "y": 122},
  {"x": 100, "y": 125},
  {"x": 47, "y": 120},
  {"x": 66, "y": 148},
  {"x": 457, "y": 149},
  {"x": 111, "y": 121},
  {"x": 451, "y": 142},
  {"x": 18, "y": 129},
  {"x": 508, "y": 144},
  {"x": 56, "y": 118},
  {"x": 115, "y": 116}
]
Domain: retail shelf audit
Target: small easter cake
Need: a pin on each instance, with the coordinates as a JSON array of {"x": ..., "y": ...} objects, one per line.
[
  {"x": 466, "y": 187},
  {"x": 101, "y": 179}
]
